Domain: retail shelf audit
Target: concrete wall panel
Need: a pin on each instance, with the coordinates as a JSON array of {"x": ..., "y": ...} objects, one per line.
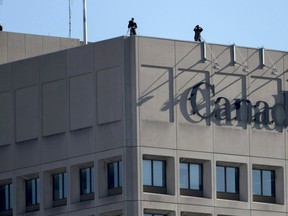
[
  {"x": 229, "y": 86},
  {"x": 268, "y": 90},
  {"x": 6, "y": 155},
  {"x": 81, "y": 101},
  {"x": 110, "y": 136},
  {"x": 80, "y": 60},
  {"x": 109, "y": 95},
  {"x": 188, "y": 55},
  {"x": 157, "y": 133},
  {"x": 218, "y": 211},
  {"x": 66, "y": 43},
  {"x": 27, "y": 113},
  {"x": 53, "y": 66},
  {"x": 156, "y": 52},
  {"x": 156, "y": 94},
  {"x": 273, "y": 59},
  {"x": 267, "y": 144},
  {"x": 54, "y": 107},
  {"x": 193, "y": 133},
  {"x": 266, "y": 213},
  {"x": 50, "y": 44},
  {"x": 195, "y": 137},
  {"x": 231, "y": 141},
  {"x": 230, "y": 136},
  {"x": 54, "y": 148},
  {"x": 108, "y": 54},
  {"x": 16, "y": 47},
  {"x": 27, "y": 154},
  {"x": 241, "y": 61},
  {"x": 26, "y": 73},
  {"x": 222, "y": 55},
  {"x": 5, "y": 118},
  {"x": 81, "y": 142},
  {"x": 3, "y": 47},
  {"x": 255, "y": 63},
  {"x": 156, "y": 107},
  {"x": 5, "y": 78},
  {"x": 33, "y": 45}
]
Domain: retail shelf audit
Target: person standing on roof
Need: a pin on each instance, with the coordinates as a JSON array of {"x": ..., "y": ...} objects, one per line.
[
  {"x": 197, "y": 31},
  {"x": 132, "y": 25}
]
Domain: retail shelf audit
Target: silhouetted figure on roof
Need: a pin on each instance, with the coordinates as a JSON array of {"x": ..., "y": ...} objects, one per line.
[
  {"x": 1, "y": 28},
  {"x": 132, "y": 25},
  {"x": 197, "y": 31}
]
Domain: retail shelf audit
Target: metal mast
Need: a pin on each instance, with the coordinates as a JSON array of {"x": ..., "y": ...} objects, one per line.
[
  {"x": 84, "y": 22},
  {"x": 69, "y": 18}
]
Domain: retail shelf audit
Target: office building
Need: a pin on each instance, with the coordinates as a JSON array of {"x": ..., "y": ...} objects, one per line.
[{"x": 145, "y": 126}]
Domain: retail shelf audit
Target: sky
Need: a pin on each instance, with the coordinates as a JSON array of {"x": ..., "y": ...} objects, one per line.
[{"x": 248, "y": 23}]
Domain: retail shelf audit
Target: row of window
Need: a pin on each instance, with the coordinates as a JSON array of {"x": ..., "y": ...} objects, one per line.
[
  {"x": 60, "y": 186},
  {"x": 154, "y": 181},
  {"x": 227, "y": 180}
]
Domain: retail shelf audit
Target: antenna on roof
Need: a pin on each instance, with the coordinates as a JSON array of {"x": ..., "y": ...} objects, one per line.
[
  {"x": 84, "y": 22},
  {"x": 69, "y": 18}
]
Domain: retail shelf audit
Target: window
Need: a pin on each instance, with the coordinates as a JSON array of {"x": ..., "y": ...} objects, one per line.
[
  {"x": 87, "y": 183},
  {"x": 32, "y": 194},
  {"x": 227, "y": 182},
  {"x": 154, "y": 176},
  {"x": 191, "y": 179},
  {"x": 6, "y": 198},
  {"x": 59, "y": 189},
  {"x": 264, "y": 185},
  {"x": 115, "y": 178}
]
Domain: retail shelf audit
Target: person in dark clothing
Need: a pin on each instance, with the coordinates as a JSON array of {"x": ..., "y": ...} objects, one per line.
[
  {"x": 1, "y": 28},
  {"x": 132, "y": 25},
  {"x": 197, "y": 31}
]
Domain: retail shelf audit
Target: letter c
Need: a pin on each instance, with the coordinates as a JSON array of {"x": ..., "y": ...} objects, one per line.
[{"x": 193, "y": 97}]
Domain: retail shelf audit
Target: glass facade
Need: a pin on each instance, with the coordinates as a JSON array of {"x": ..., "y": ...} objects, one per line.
[
  {"x": 32, "y": 192},
  {"x": 59, "y": 186},
  {"x": 87, "y": 180},
  {"x": 154, "y": 173},
  {"x": 264, "y": 182},
  {"x": 6, "y": 198},
  {"x": 115, "y": 175}
]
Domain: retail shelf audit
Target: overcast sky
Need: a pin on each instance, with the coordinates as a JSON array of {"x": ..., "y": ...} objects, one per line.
[{"x": 252, "y": 23}]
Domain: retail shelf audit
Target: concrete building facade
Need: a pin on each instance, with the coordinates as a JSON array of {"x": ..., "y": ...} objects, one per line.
[
  {"x": 16, "y": 46},
  {"x": 145, "y": 126}
]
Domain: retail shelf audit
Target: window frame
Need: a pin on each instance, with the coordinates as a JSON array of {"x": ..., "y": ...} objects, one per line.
[
  {"x": 33, "y": 206},
  {"x": 261, "y": 197},
  {"x": 90, "y": 194},
  {"x": 8, "y": 199},
  {"x": 190, "y": 191},
  {"x": 226, "y": 194},
  {"x": 63, "y": 193},
  {"x": 116, "y": 188},
  {"x": 155, "y": 188}
]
